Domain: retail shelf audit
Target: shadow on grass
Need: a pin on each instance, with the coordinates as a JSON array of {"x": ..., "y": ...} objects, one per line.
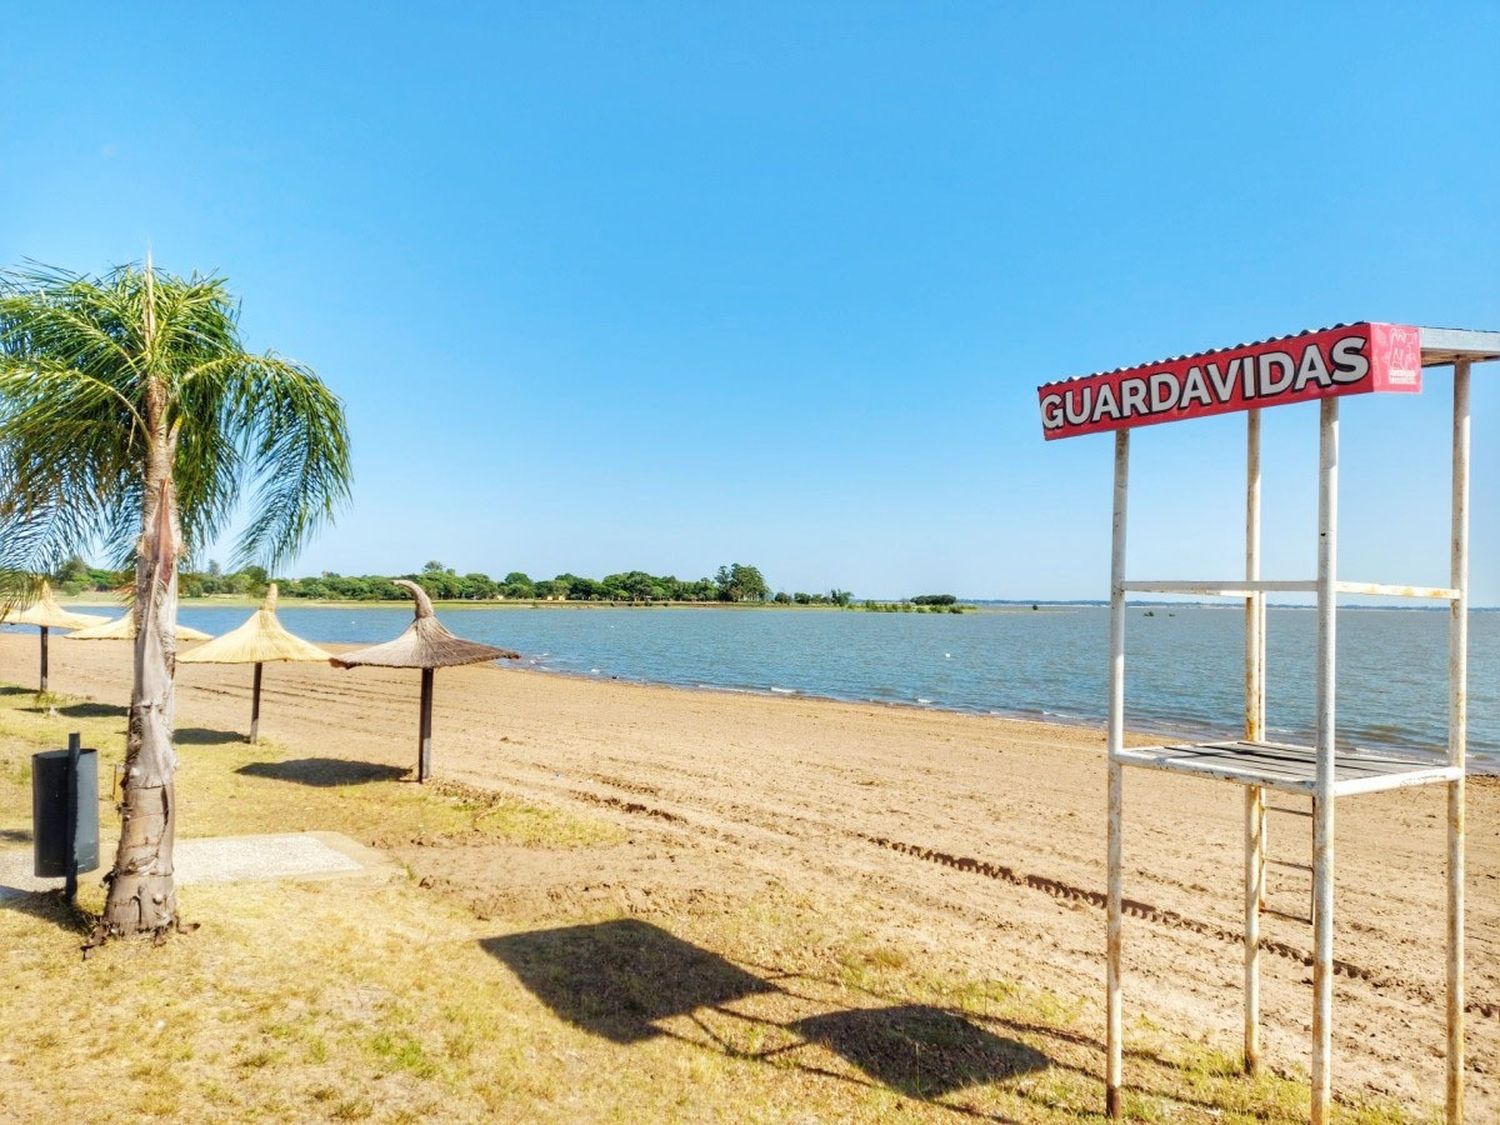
[
  {"x": 50, "y": 906},
  {"x": 619, "y": 979},
  {"x": 326, "y": 772},
  {"x": 616, "y": 979},
  {"x": 15, "y": 835},
  {"x": 921, "y": 1051},
  {"x": 1153, "y": 1062},
  {"x": 90, "y": 710},
  {"x": 205, "y": 736}
]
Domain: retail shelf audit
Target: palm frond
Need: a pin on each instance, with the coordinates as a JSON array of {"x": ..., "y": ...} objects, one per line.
[{"x": 82, "y": 378}]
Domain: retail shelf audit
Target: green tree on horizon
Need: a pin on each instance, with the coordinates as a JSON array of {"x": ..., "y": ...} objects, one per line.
[{"x": 132, "y": 416}]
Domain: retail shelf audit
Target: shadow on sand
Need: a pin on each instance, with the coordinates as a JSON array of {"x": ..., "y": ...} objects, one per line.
[{"x": 323, "y": 772}]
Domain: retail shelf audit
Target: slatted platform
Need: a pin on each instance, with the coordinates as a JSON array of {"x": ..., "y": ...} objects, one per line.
[{"x": 1288, "y": 768}]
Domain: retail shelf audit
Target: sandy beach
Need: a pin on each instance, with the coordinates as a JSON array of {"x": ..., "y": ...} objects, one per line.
[{"x": 980, "y": 840}]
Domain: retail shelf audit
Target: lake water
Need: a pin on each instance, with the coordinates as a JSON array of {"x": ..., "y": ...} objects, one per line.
[{"x": 1184, "y": 663}]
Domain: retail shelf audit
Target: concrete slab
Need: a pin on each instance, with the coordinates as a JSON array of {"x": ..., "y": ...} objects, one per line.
[{"x": 228, "y": 859}]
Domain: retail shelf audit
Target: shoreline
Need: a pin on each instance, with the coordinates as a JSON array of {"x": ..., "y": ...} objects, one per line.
[
  {"x": 982, "y": 606},
  {"x": 1482, "y": 763}
]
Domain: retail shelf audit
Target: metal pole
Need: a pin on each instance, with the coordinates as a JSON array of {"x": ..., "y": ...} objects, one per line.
[
  {"x": 70, "y": 801},
  {"x": 1328, "y": 522},
  {"x": 1116, "y": 743},
  {"x": 255, "y": 706},
  {"x": 43, "y": 689},
  {"x": 424, "y": 748},
  {"x": 1255, "y": 703},
  {"x": 1458, "y": 688}
]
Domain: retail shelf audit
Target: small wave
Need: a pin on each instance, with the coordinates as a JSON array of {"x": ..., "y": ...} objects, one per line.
[
  {"x": 785, "y": 691},
  {"x": 924, "y": 701}
]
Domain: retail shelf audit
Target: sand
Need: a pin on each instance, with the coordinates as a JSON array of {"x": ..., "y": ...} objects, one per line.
[{"x": 978, "y": 840}]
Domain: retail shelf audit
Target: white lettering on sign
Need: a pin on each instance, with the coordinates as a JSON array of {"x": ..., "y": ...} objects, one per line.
[{"x": 1210, "y": 387}]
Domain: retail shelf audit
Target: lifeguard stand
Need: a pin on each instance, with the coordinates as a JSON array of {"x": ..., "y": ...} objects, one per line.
[{"x": 1320, "y": 365}]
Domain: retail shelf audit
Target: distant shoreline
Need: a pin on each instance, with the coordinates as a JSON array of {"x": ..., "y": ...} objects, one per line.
[{"x": 235, "y": 601}]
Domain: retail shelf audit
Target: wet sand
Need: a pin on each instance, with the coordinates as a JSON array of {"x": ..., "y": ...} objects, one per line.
[{"x": 978, "y": 840}]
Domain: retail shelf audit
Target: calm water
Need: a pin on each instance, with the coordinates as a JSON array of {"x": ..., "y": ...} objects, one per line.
[{"x": 1184, "y": 663}]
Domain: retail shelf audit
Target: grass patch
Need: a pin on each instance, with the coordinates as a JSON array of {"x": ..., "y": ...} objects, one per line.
[{"x": 228, "y": 787}]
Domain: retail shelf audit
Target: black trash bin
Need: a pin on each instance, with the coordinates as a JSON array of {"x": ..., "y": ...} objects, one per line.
[{"x": 65, "y": 811}]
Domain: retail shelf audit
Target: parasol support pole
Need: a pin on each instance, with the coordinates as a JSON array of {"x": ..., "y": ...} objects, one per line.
[
  {"x": 424, "y": 745},
  {"x": 255, "y": 705},
  {"x": 43, "y": 689},
  {"x": 1458, "y": 686},
  {"x": 1113, "y": 1076}
]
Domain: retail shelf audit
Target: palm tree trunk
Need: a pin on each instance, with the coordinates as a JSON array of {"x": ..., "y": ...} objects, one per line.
[{"x": 142, "y": 892}]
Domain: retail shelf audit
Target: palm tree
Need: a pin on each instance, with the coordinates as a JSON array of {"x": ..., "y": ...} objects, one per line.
[{"x": 131, "y": 417}]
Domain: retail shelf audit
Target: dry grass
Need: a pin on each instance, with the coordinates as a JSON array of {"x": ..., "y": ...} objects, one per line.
[{"x": 355, "y": 999}]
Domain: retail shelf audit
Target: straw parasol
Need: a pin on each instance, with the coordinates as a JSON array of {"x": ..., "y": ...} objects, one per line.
[
  {"x": 427, "y": 645},
  {"x": 124, "y": 629},
  {"x": 46, "y": 614},
  {"x": 261, "y": 640}
]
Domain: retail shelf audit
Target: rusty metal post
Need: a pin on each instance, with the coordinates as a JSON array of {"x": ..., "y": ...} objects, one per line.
[
  {"x": 1115, "y": 743},
  {"x": 1328, "y": 523},
  {"x": 1255, "y": 705},
  {"x": 1458, "y": 688}
]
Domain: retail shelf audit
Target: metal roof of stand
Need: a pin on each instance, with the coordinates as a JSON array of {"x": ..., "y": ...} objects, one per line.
[{"x": 1321, "y": 365}]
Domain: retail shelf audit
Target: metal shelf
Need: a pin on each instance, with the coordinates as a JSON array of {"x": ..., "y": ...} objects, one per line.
[{"x": 1288, "y": 768}]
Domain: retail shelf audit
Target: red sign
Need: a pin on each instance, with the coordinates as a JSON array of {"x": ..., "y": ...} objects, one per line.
[{"x": 1355, "y": 359}]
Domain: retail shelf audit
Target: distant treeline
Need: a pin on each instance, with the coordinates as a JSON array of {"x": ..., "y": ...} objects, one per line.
[{"x": 735, "y": 584}]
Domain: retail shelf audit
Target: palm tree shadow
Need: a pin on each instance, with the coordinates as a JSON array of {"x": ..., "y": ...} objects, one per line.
[
  {"x": 616, "y": 979},
  {"x": 323, "y": 772},
  {"x": 920, "y": 1051}
]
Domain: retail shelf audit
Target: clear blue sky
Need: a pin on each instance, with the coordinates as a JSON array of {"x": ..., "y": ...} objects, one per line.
[{"x": 634, "y": 285}]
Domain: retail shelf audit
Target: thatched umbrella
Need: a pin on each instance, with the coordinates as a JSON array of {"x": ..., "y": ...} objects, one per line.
[
  {"x": 46, "y": 614},
  {"x": 427, "y": 645},
  {"x": 260, "y": 640},
  {"x": 123, "y": 629}
]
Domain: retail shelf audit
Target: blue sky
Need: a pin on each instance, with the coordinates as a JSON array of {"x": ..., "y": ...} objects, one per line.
[{"x": 667, "y": 286}]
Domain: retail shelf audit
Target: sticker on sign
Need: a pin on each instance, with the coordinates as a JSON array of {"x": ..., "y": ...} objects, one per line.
[{"x": 1350, "y": 359}]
